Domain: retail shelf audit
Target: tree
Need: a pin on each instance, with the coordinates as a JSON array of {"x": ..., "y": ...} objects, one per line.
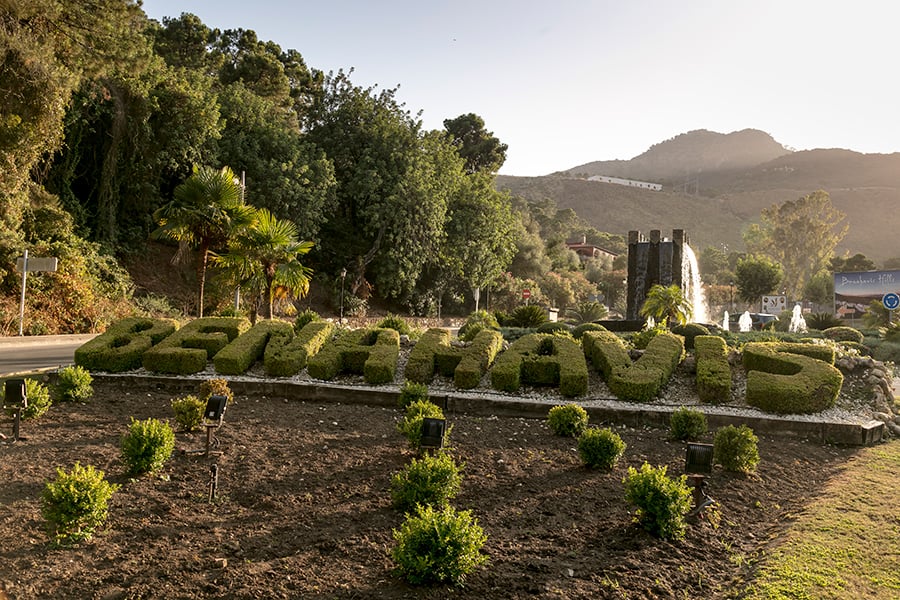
[
  {"x": 857, "y": 262},
  {"x": 482, "y": 152},
  {"x": 756, "y": 276},
  {"x": 799, "y": 234},
  {"x": 667, "y": 303},
  {"x": 265, "y": 255},
  {"x": 206, "y": 211}
]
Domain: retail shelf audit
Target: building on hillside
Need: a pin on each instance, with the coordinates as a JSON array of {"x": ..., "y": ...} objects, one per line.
[
  {"x": 587, "y": 251},
  {"x": 655, "y": 187}
]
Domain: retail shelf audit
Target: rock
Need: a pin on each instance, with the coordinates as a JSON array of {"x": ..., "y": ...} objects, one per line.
[
  {"x": 219, "y": 563},
  {"x": 897, "y": 419},
  {"x": 883, "y": 417},
  {"x": 404, "y": 340},
  {"x": 893, "y": 428}
]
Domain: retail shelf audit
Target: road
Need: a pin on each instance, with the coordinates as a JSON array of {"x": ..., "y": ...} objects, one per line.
[{"x": 19, "y": 354}]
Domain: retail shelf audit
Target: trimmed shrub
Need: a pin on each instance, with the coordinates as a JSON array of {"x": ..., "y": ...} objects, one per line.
[
  {"x": 600, "y": 448},
  {"x": 73, "y": 384},
  {"x": 642, "y": 380},
  {"x": 39, "y": 400},
  {"x": 713, "y": 371},
  {"x": 412, "y": 392},
  {"x": 421, "y": 364},
  {"x": 428, "y": 481},
  {"x": 249, "y": 347},
  {"x": 189, "y": 349},
  {"x": 687, "y": 424},
  {"x": 689, "y": 331},
  {"x": 569, "y": 420},
  {"x": 605, "y": 351},
  {"x": 305, "y": 318},
  {"x": 75, "y": 504},
  {"x": 394, "y": 322},
  {"x": 147, "y": 446},
  {"x": 735, "y": 448},
  {"x": 188, "y": 412},
  {"x": 287, "y": 355},
  {"x": 530, "y": 316},
  {"x": 843, "y": 334},
  {"x": 542, "y": 359},
  {"x": 780, "y": 380},
  {"x": 372, "y": 353},
  {"x": 580, "y": 330},
  {"x": 215, "y": 387},
  {"x": 476, "y": 322},
  {"x": 438, "y": 546},
  {"x": 642, "y": 338},
  {"x": 122, "y": 346},
  {"x": 556, "y": 327},
  {"x": 411, "y": 425},
  {"x": 662, "y": 502}
]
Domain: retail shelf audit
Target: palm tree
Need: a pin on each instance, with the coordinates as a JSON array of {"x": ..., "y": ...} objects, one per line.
[
  {"x": 667, "y": 303},
  {"x": 206, "y": 211},
  {"x": 267, "y": 254}
]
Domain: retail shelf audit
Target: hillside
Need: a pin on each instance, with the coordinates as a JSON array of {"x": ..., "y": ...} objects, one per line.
[{"x": 726, "y": 199}]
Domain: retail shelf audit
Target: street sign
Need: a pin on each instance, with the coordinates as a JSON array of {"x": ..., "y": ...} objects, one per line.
[
  {"x": 891, "y": 301},
  {"x": 37, "y": 264},
  {"x": 526, "y": 294}
]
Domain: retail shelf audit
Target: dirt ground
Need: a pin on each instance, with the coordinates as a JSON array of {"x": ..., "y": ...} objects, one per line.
[{"x": 303, "y": 509}]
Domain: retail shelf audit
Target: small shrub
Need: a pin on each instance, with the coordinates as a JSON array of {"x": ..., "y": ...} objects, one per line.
[
  {"x": 188, "y": 412},
  {"x": 568, "y": 420},
  {"x": 304, "y": 318},
  {"x": 75, "y": 504},
  {"x": 438, "y": 546},
  {"x": 74, "y": 385},
  {"x": 215, "y": 387},
  {"x": 557, "y": 328},
  {"x": 821, "y": 321},
  {"x": 476, "y": 322},
  {"x": 411, "y": 425},
  {"x": 429, "y": 481},
  {"x": 39, "y": 400},
  {"x": 412, "y": 392},
  {"x": 642, "y": 338},
  {"x": 394, "y": 322},
  {"x": 662, "y": 502},
  {"x": 735, "y": 448},
  {"x": 530, "y": 316},
  {"x": 843, "y": 334},
  {"x": 580, "y": 330},
  {"x": 147, "y": 446},
  {"x": 689, "y": 331},
  {"x": 600, "y": 448},
  {"x": 687, "y": 424},
  {"x": 587, "y": 312}
]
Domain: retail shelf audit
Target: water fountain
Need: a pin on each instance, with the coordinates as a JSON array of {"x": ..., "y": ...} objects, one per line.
[
  {"x": 725, "y": 324},
  {"x": 798, "y": 323},
  {"x": 745, "y": 323}
]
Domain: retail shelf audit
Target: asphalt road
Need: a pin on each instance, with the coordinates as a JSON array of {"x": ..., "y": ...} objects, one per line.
[{"x": 29, "y": 353}]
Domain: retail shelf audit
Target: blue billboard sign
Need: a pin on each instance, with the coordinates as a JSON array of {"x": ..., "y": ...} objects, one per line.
[{"x": 854, "y": 291}]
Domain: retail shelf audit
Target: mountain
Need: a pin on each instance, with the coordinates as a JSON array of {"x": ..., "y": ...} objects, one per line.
[{"x": 714, "y": 185}]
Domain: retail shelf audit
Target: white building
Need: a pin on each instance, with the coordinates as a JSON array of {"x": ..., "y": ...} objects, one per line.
[{"x": 656, "y": 187}]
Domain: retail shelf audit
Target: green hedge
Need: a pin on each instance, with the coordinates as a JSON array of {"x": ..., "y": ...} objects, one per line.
[
  {"x": 239, "y": 355},
  {"x": 542, "y": 359},
  {"x": 420, "y": 366},
  {"x": 605, "y": 351},
  {"x": 689, "y": 331},
  {"x": 288, "y": 354},
  {"x": 372, "y": 353},
  {"x": 843, "y": 333},
  {"x": 189, "y": 349},
  {"x": 434, "y": 354},
  {"x": 779, "y": 380},
  {"x": 123, "y": 344},
  {"x": 713, "y": 370},
  {"x": 642, "y": 380},
  {"x": 477, "y": 359}
]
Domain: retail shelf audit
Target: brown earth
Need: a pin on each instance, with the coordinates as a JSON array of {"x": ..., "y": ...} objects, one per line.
[{"x": 303, "y": 509}]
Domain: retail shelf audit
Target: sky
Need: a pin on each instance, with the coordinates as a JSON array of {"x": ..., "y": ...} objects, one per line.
[{"x": 566, "y": 82}]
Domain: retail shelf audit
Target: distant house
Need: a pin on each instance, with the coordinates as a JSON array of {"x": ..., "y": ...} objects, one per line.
[
  {"x": 656, "y": 187},
  {"x": 586, "y": 251}
]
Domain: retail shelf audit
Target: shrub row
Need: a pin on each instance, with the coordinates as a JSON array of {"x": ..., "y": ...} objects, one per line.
[
  {"x": 287, "y": 354},
  {"x": 433, "y": 353},
  {"x": 372, "y": 353},
  {"x": 239, "y": 355},
  {"x": 188, "y": 349},
  {"x": 780, "y": 380},
  {"x": 542, "y": 359},
  {"x": 713, "y": 370},
  {"x": 122, "y": 346},
  {"x": 642, "y": 380},
  {"x": 605, "y": 351}
]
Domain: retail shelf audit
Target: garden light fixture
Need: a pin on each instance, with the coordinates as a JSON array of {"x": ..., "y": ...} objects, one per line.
[{"x": 433, "y": 431}]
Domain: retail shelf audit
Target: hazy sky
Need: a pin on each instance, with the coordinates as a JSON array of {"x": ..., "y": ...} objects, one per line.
[{"x": 566, "y": 82}]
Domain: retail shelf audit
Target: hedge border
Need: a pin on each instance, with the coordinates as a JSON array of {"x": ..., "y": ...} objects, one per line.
[
  {"x": 713, "y": 371},
  {"x": 189, "y": 349},
  {"x": 781, "y": 380},
  {"x": 122, "y": 346},
  {"x": 542, "y": 359}
]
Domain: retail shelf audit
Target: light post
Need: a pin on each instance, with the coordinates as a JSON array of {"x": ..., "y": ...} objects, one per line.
[
  {"x": 343, "y": 277},
  {"x": 731, "y": 285}
]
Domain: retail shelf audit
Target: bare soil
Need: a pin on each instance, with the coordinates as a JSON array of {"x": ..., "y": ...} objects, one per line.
[{"x": 303, "y": 509}]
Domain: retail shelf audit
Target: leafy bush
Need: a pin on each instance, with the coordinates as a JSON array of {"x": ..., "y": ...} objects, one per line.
[
  {"x": 394, "y": 322},
  {"x": 687, "y": 424},
  {"x": 689, "y": 331},
  {"x": 586, "y": 312},
  {"x": 73, "y": 385},
  {"x": 147, "y": 446},
  {"x": 600, "y": 448},
  {"x": 304, "y": 318},
  {"x": 887, "y": 352},
  {"x": 411, "y": 425},
  {"x": 530, "y": 316},
  {"x": 215, "y": 387},
  {"x": 476, "y": 322},
  {"x": 438, "y": 546},
  {"x": 556, "y": 328},
  {"x": 188, "y": 412},
  {"x": 713, "y": 370},
  {"x": 735, "y": 448},
  {"x": 662, "y": 502},
  {"x": 412, "y": 392},
  {"x": 642, "y": 338},
  {"x": 580, "y": 330},
  {"x": 75, "y": 504},
  {"x": 843, "y": 334},
  {"x": 39, "y": 400},
  {"x": 429, "y": 481},
  {"x": 569, "y": 420},
  {"x": 821, "y": 321}
]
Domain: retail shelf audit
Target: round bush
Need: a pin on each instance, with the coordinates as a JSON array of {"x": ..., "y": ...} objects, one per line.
[
  {"x": 689, "y": 331},
  {"x": 304, "y": 319},
  {"x": 600, "y": 448},
  {"x": 438, "y": 546},
  {"x": 188, "y": 412},
  {"x": 147, "y": 446},
  {"x": 568, "y": 420},
  {"x": 411, "y": 425},
  {"x": 662, "y": 502},
  {"x": 553, "y": 328},
  {"x": 431, "y": 480},
  {"x": 843, "y": 334},
  {"x": 478, "y": 320},
  {"x": 411, "y": 392},
  {"x": 580, "y": 330},
  {"x": 529, "y": 316},
  {"x": 642, "y": 338},
  {"x": 215, "y": 387},
  {"x": 75, "y": 504},
  {"x": 735, "y": 448},
  {"x": 394, "y": 322},
  {"x": 39, "y": 400},
  {"x": 687, "y": 424},
  {"x": 73, "y": 385}
]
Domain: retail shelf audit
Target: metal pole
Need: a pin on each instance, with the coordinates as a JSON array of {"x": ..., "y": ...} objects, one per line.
[
  {"x": 343, "y": 277},
  {"x": 22, "y": 301}
]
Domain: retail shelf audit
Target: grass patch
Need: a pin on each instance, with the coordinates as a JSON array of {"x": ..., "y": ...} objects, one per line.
[{"x": 846, "y": 544}]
